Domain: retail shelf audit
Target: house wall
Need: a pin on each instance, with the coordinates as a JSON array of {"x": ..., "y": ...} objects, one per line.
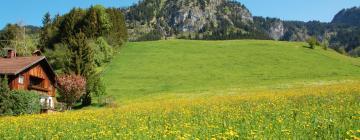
[{"x": 35, "y": 71}]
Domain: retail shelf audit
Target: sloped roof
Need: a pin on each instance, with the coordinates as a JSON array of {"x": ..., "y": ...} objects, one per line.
[{"x": 13, "y": 66}]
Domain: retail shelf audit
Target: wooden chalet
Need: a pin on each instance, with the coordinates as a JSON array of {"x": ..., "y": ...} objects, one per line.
[{"x": 31, "y": 73}]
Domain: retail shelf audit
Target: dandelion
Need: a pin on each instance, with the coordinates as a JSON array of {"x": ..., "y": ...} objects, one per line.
[{"x": 262, "y": 115}]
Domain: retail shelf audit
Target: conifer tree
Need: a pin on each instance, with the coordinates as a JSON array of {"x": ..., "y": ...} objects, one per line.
[
  {"x": 6, "y": 102},
  {"x": 73, "y": 31},
  {"x": 96, "y": 22},
  {"x": 46, "y": 19},
  {"x": 82, "y": 63},
  {"x": 45, "y": 32},
  {"x": 82, "y": 56}
]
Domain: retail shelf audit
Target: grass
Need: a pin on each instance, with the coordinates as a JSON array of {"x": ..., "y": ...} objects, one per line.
[
  {"x": 322, "y": 112},
  {"x": 245, "y": 89},
  {"x": 161, "y": 68}
]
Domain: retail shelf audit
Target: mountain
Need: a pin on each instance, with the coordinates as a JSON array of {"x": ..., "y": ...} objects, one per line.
[
  {"x": 342, "y": 34},
  {"x": 229, "y": 19},
  {"x": 346, "y": 28},
  {"x": 277, "y": 29},
  {"x": 210, "y": 20},
  {"x": 349, "y": 17},
  {"x": 191, "y": 19}
]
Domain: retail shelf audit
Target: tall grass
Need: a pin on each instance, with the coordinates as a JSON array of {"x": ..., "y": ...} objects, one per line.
[{"x": 324, "y": 112}]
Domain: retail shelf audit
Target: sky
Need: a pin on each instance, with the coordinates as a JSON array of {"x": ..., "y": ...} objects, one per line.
[{"x": 30, "y": 12}]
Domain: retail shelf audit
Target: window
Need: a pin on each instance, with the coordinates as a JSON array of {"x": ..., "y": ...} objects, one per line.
[
  {"x": 21, "y": 79},
  {"x": 35, "y": 81}
]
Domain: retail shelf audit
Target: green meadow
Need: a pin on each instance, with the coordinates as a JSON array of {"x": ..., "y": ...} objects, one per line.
[
  {"x": 146, "y": 70},
  {"x": 243, "y": 89}
]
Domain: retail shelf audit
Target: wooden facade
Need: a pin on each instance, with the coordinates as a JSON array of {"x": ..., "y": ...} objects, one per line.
[
  {"x": 31, "y": 73},
  {"x": 35, "y": 78}
]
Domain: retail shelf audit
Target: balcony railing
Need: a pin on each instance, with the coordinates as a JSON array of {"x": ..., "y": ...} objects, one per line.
[{"x": 39, "y": 88}]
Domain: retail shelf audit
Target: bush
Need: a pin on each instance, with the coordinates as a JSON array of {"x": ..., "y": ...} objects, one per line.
[
  {"x": 312, "y": 42},
  {"x": 2, "y": 52},
  {"x": 355, "y": 52},
  {"x": 71, "y": 88},
  {"x": 325, "y": 44},
  {"x": 25, "y": 102},
  {"x": 17, "y": 102},
  {"x": 94, "y": 88}
]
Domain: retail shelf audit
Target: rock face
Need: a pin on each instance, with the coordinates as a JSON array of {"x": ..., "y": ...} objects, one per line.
[
  {"x": 277, "y": 30},
  {"x": 205, "y": 19},
  {"x": 179, "y": 18},
  {"x": 349, "y": 17},
  {"x": 191, "y": 16},
  {"x": 228, "y": 19}
]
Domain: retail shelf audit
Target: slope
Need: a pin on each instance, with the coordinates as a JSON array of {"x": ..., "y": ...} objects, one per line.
[{"x": 191, "y": 68}]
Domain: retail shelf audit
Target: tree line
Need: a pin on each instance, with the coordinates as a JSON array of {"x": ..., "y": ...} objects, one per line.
[
  {"x": 82, "y": 40},
  {"x": 76, "y": 43}
]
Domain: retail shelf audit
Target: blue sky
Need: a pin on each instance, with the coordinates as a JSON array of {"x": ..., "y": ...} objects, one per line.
[{"x": 31, "y": 11}]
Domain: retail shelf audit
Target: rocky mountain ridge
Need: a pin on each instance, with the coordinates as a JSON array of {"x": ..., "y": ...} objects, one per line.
[
  {"x": 229, "y": 19},
  {"x": 188, "y": 19},
  {"x": 350, "y": 17}
]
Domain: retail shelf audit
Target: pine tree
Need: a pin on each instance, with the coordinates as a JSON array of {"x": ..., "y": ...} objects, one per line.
[
  {"x": 6, "y": 102},
  {"x": 4, "y": 87},
  {"x": 83, "y": 63},
  {"x": 82, "y": 56},
  {"x": 96, "y": 22},
  {"x": 118, "y": 34},
  {"x": 46, "y": 19},
  {"x": 71, "y": 25},
  {"x": 45, "y": 32},
  {"x": 91, "y": 23}
]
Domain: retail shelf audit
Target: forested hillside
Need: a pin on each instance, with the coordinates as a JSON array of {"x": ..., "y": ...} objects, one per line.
[
  {"x": 349, "y": 17},
  {"x": 78, "y": 42},
  {"x": 190, "y": 19}
]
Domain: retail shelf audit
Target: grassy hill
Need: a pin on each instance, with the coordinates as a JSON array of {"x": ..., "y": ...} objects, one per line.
[
  {"x": 191, "y": 68},
  {"x": 244, "y": 90}
]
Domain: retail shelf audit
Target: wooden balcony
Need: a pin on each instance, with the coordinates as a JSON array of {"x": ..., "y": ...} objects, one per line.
[{"x": 38, "y": 88}]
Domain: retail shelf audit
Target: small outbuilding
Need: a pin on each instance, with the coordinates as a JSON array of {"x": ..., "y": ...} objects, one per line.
[{"x": 32, "y": 73}]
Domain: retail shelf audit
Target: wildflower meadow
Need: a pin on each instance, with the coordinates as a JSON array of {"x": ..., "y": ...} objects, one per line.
[{"x": 321, "y": 112}]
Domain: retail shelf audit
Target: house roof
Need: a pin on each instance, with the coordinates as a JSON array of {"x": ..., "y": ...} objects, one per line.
[{"x": 13, "y": 66}]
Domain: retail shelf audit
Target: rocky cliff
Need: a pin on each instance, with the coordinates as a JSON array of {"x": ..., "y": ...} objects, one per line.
[
  {"x": 206, "y": 19},
  {"x": 188, "y": 19},
  {"x": 228, "y": 19}
]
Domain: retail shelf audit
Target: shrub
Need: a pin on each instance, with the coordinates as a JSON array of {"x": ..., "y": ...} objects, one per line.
[
  {"x": 355, "y": 52},
  {"x": 94, "y": 88},
  {"x": 312, "y": 41},
  {"x": 71, "y": 88},
  {"x": 341, "y": 50},
  {"x": 25, "y": 102},
  {"x": 6, "y": 103},
  {"x": 17, "y": 102},
  {"x": 325, "y": 44},
  {"x": 2, "y": 52}
]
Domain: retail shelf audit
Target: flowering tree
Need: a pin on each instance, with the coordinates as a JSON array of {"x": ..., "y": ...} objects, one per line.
[{"x": 71, "y": 88}]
